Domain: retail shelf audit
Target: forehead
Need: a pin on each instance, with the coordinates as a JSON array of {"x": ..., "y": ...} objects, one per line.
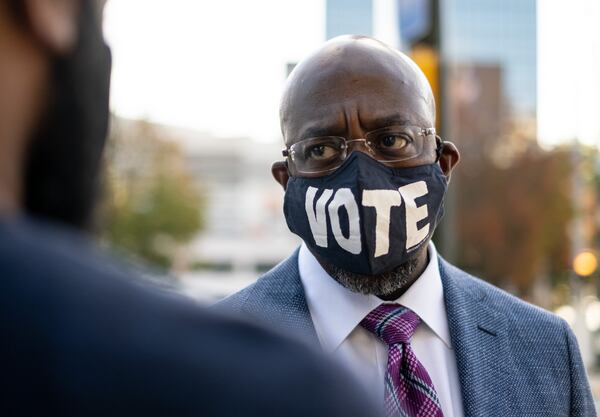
[{"x": 325, "y": 104}]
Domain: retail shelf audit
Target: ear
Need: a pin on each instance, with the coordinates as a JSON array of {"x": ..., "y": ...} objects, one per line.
[
  {"x": 449, "y": 158},
  {"x": 280, "y": 172},
  {"x": 54, "y": 23}
]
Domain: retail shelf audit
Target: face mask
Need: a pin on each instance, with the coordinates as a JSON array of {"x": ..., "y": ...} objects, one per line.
[
  {"x": 366, "y": 218},
  {"x": 63, "y": 159}
]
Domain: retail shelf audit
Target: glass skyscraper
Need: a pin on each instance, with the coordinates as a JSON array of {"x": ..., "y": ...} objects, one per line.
[
  {"x": 474, "y": 37},
  {"x": 499, "y": 33},
  {"x": 488, "y": 58}
]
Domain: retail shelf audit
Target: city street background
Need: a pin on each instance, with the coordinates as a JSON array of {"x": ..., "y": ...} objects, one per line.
[{"x": 195, "y": 97}]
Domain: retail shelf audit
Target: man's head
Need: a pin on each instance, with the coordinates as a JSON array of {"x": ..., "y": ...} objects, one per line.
[
  {"x": 350, "y": 88},
  {"x": 54, "y": 75}
]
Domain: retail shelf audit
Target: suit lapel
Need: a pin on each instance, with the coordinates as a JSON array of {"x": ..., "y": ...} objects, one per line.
[
  {"x": 480, "y": 340},
  {"x": 278, "y": 300}
]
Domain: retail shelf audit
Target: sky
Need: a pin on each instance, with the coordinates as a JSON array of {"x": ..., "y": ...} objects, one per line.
[
  {"x": 216, "y": 66},
  {"x": 219, "y": 66},
  {"x": 569, "y": 71}
]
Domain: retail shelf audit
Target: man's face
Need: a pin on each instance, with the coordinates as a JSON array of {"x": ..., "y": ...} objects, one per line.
[{"x": 350, "y": 92}]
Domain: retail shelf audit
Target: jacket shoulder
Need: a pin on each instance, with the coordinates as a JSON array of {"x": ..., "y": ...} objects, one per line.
[
  {"x": 267, "y": 287},
  {"x": 520, "y": 314},
  {"x": 235, "y": 301},
  {"x": 542, "y": 345}
]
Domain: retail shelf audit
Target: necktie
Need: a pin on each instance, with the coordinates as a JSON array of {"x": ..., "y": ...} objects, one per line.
[{"x": 409, "y": 391}]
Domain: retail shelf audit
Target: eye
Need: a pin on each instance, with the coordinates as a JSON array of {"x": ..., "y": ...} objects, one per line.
[
  {"x": 320, "y": 152},
  {"x": 392, "y": 142}
]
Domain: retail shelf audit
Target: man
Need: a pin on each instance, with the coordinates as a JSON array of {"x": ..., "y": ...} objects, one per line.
[
  {"x": 80, "y": 338},
  {"x": 365, "y": 177}
]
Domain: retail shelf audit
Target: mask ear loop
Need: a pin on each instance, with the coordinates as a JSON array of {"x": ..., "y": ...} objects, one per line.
[
  {"x": 440, "y": 148},
  {"x": 287, "y": 166}
]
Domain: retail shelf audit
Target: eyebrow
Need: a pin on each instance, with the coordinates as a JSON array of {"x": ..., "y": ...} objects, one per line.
[
  {"x": 392, "y": 120},
  {"x": 313, "y": 132}
]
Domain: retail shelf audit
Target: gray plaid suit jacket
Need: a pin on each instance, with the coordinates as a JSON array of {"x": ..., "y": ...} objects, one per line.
[{"x": 513, "y": 359}]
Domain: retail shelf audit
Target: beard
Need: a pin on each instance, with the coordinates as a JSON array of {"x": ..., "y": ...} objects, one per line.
[
  {"x": 399, "y": 279},
  {"x": 63, "y": 159}
]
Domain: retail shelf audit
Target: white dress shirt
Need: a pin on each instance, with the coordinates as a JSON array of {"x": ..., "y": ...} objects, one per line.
[{"x": 337, "y": 312}]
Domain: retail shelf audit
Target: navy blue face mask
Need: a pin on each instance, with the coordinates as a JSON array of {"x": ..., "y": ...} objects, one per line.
[{"x": 365, "y": 217}]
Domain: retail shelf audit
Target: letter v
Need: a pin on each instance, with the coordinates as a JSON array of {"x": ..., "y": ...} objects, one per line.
[{"x": 317, "y": 218}]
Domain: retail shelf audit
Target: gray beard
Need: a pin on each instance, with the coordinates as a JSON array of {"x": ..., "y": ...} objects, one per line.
[{"x": 387, "y": 283}]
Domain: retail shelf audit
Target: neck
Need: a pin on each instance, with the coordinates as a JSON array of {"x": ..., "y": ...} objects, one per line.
[{"x": 422, "y": 262}]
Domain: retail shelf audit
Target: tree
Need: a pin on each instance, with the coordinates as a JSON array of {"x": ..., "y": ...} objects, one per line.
[
  {"x": 152, "y": 206},
  {"x": 514, "y": 219}
]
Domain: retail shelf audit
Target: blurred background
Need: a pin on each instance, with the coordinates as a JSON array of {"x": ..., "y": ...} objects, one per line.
[{"x": 195, "y": 97}]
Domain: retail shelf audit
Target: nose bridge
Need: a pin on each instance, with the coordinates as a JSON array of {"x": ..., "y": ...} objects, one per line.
[
  {"x": 355, "y": 134},
  {"x": 359, "y": 145}
]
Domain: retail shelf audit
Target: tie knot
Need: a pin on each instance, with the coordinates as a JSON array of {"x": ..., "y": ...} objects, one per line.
[{"x": 392, "y": 323}]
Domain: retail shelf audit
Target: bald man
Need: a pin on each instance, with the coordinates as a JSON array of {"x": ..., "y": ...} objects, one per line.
[{"x": 365, "y": 176}]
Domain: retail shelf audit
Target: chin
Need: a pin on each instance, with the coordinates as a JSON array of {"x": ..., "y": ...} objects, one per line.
[{"x": 397, "y": 280}]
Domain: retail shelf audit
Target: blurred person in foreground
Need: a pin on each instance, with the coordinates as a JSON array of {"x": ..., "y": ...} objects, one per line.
[
  {"x": 79, "y": 337},
  {"x": 365, "y": 177}
]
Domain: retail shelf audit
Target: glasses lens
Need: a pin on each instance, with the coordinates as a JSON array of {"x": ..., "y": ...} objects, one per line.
[
  {"x": 396, "y": 143},
  {"x": 316, "y": 155}
]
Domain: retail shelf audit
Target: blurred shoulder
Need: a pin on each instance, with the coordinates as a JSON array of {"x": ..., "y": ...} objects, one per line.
[
  {"x": 28, "y": 245},
  {"x": 78, "y": 319},
  {"x": 60, "y": 267}
]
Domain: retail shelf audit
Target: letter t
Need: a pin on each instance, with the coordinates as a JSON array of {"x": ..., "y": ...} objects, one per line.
[{"x": 382, "y": 201}]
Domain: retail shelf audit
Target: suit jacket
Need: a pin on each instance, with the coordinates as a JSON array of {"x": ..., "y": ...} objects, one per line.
[
  {"x": 513, "y": 359},
  {"x": 81, "y": 338}
]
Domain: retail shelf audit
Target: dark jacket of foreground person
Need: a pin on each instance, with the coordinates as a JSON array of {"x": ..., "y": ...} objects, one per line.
[{"x": 80, "y": 338}]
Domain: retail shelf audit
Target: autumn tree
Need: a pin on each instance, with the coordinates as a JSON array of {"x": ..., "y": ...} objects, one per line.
[
  {"x": 513, "y": 220},
  {"x": 152, "y": 206}
]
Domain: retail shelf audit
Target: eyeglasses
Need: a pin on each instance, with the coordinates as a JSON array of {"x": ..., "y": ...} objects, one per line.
[{"x": 322, "y": 155}]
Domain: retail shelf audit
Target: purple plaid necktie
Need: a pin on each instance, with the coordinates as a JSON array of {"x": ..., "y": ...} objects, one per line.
[{"x": 409, "y": 391}]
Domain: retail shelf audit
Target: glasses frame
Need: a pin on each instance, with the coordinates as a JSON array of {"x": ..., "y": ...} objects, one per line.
[{"x": 288, "y": 152}]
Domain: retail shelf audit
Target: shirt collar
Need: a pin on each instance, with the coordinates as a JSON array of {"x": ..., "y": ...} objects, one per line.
[{"x": 336, "y": 311}]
